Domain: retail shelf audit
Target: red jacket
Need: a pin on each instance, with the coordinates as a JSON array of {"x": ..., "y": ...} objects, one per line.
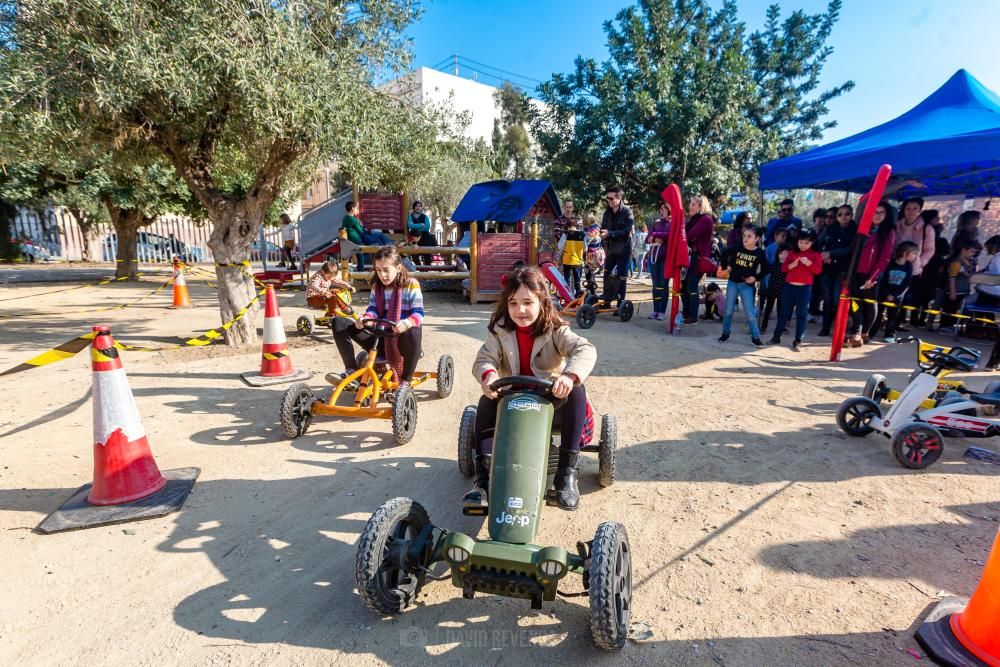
[
  {"x": 874, "y": 257},
  {"x": 802, "y": 274}
]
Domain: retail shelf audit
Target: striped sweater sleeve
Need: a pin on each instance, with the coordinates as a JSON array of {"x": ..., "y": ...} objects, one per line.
[{"x": 413, "y": 303}]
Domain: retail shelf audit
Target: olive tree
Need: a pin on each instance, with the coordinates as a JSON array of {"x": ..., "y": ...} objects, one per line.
[{"x": 242, "y": 99}]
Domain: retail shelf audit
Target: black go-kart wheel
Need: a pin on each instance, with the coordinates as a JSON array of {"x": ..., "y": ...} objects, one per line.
[
  {"x": 296, "y": 409},
  {"x": 384, "y": 587},
  {"x": 445, "y": 375},
  {"x": 606, "y": 449},
  {"x": 586, "y": 315},
  {"x": 305, "y": 324},
  {"x": 876, "y": 388},
  {"x": 610, "y": 586},
  {"x": 360, "y": 359},
  {"x": 592, "y": 300},
  {"x": 404, "y": 415},
  {"x": 626, "y": 310},
  {"x": 467, "y": 442},
  {"x": 855, "y": 414},
  {"x": 917, "y": 445}
]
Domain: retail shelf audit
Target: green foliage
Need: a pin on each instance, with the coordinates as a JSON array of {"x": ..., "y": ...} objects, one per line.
[
  {"x": 513, "y": 152},
  {"x": 687, "y": 97},
  {"x": 456, "y": 167}
]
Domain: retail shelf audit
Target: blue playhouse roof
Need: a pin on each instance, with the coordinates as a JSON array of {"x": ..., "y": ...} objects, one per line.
[
  {"x": 503, "y": 201},
  {"x": 950, "y": 142}
]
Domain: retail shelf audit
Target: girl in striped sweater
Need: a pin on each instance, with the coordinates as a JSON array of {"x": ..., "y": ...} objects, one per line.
[{"x": 395, "y": 296}]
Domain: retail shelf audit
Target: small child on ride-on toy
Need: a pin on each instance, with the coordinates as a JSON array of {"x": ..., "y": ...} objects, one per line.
[
  {"x": 528, "y": 337},
  {"x": 395, "y": 296},
  {"x": 321, "y": 291}
]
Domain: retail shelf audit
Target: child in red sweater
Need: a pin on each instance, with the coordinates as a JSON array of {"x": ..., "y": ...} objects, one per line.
[{"x": 800, "y": 267}]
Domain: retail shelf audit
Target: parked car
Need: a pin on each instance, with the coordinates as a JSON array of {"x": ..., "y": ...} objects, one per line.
[
  {"x": 32, "y": 251},
  {"x": 273, "y": 251},
  {"x": 155, "y": 248}
]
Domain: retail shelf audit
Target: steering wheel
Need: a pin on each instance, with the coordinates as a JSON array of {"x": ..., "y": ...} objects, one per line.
[
  {"x": 527, "y": 384},
  {"x": 948, "y": 361},
  {"x": 965, "y": 354},
  {"x": 378, "y": 326}
]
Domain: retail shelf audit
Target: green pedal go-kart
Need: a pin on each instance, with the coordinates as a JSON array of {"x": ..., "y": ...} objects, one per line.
[{"x": 400, "y": 545}]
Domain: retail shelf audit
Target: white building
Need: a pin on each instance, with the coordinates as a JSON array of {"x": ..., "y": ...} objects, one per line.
[{"x": 430, "y": 86}]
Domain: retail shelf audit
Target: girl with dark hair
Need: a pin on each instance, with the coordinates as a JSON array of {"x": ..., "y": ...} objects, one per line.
[
  {"x": 966, "y": 228},
  {"x": 876, "y": 253},
  {"x": 395, "y": 296},
  {"x": 527, "y": 337}
]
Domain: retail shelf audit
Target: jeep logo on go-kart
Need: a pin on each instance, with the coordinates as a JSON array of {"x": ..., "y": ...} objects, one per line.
[
  {"x": 524, "y": 404},
  {"x": 515, "y": 503},
  {"x": 510, "y": 519}
]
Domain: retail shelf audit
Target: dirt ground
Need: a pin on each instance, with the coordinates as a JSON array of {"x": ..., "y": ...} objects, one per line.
[{"x": 761, "y": 535}]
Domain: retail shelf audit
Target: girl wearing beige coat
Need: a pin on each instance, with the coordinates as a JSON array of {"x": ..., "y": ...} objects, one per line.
[{"x": 527, "y": 337}]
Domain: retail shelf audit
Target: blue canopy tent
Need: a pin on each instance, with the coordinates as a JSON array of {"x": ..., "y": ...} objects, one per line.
[
  {"x": 950, "y": 142},
  {"x": 504, "y": 201}
]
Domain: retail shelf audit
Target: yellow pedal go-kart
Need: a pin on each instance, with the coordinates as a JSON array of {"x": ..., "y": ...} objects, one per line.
[
  {"x": 372, "y": 383},
  {"x": 307, "y": 324},
  {"x": 878, "y": 390}
]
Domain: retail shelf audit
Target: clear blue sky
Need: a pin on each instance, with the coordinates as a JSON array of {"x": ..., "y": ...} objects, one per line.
[{"x": 896, "y": 51}]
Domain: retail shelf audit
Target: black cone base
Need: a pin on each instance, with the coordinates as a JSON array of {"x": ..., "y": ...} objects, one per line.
[{"x": 76, "y": 513}]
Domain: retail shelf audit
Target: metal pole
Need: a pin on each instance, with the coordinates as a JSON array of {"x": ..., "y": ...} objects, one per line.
[{"x": 263, "y": 248}]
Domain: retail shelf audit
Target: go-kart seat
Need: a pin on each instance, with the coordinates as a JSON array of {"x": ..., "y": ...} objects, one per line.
[{"x": 986, "y": 399}]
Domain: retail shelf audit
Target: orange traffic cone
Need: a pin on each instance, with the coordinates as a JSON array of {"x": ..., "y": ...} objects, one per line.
[
  {"x": 181, "y": 298},
  {"x": 127, "y": 483},
  {"x": 957, "y": 632},
  {"x": 276, "y": 363}
]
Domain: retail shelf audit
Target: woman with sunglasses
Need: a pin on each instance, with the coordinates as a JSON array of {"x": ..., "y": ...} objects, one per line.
[{"x": 835, "y": 245}]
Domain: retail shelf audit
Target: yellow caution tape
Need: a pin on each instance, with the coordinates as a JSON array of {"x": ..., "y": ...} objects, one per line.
[
  {"x": 75, "y": 346},
  {"x": 65, "y": 351},
  {"x": 68, "y": 289},
  {"x": 929, "y": 311}
]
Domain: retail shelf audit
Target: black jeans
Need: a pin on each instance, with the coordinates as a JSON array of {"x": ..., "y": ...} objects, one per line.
[
  {"x": 830, "y": 283},
  {"x": 426, "y": 240},
  {"x": 765, "y": 312},
  {"x": 690, "y": 299},
  {"x": 615, "y": 271},
  {"x": 570, "y": 418},
  {"x": 573, "y": 276},
  {"x": 864, "y": 316},
  {"x": 409, "y": 342}
]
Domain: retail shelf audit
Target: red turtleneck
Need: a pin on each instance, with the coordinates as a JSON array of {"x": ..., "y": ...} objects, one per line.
[{"x": 524, "y": 342}]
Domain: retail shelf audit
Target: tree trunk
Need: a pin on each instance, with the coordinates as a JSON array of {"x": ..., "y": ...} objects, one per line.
[
  {"x": 126, "y": 223},
  {"x": 232, "y": 234},
  {"x": 86, "y": 225}
]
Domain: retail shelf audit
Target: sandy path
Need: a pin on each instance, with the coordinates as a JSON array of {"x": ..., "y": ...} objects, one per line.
[{"x": 761, "y": 534}]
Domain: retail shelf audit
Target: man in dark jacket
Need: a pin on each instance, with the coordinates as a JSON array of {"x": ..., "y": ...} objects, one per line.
[
  {"x": 616, "y": 230},
  {"x": 835, "y": 244}
]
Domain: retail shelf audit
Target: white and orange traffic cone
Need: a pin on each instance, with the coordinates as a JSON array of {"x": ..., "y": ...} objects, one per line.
[
  {"x": 275, "y": 363},
  {"x": 967, "y": 632},
  {"x": 181, "y": 297},
  {"x": 128, "y": 485}
]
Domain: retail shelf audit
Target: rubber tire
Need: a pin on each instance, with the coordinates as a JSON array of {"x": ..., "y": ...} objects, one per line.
[
  {"x": 626, "y": 310},
  {"x": 404, "y": 415},
  {"x": 305, "y": 324},
  {"x": 909, "y": 429},
  {"x": 383, "y": 524},
  {"x": 606, "y": 449},
  {"x": 360, "y": 360},
  {"x": 876, "y": 388},
  {"x": 857, "y": 402},
  {"x": 290, "y": 409},
  {"x": 610, "y": 586},
  {"x": 586, "y": 315},
  {"x": 445, "y": 375},
  {"x": 467, "y": 442}
]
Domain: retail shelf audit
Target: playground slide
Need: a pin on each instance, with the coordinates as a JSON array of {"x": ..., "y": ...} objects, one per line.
[{"x": 319, "y": 227}]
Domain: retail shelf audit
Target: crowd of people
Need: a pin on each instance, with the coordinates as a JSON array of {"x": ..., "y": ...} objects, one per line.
[{"x": 906, "y": 271}]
